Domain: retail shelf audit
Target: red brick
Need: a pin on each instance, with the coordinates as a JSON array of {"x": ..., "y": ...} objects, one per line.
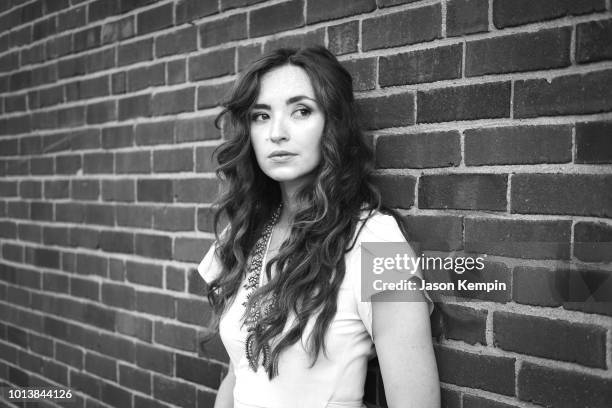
[
  {"x": 363, "y": 72},
  {"x": 72, "y": 18},
  {"x": 322, "y": 10},
  {"x": 115, "y": 241},
  {"x": 387, "y": 111},
  {"x": 118, "y": 296},
  {"x": 589, "y": 290},
  {"x": 343, "y": 38},
  {"x": 465, "y": 324},
  {"x": 230, "y": 4},
  {"x": 593, "y": 241},
  {"x": 85, "y": 383},
  {"x": 117, "y": 136},
  {"x": 155, "y": 133},
  {"x": 118, "y": 30},
  {"x": 154, "y": 19},
  {"x": 468, "y": 102},
  {"x": 472, "y": 401},
  {"x": 177, "y": 42},
  {"x": 193, "y": 311},
  {"x": 210, "y": 96},
  {"x": 428, "y": 65},
  {"x": 154, "y": 246},
  {"x": 101, "y": 366},
  {"x": 86, "y": 39},
  {"x": 144, "y": 77},
  {"x": 134, "y": 378},
  {"x": 204, "y": 162},
  {"x": 420, "y": 150},
  {"x": 197, "y": 190},
  {"x": 157, "y": 190},
  {"x": 176, "y": 72},
  {"x": 466, "y": 17},
  {"x": 199, "y": 128},
  {"x": 490, "y": 373},
  {"x": 99, "y": 214},
  {"x": 508, "y": 13},
  {"x": 189, "y": 10},
  {"x": 576, "y": 194},
  {"x": 115, "y": 396},
  {"x": 189, "y": 249},
  {"x": 177, "y": 393},
  {"x": 171, "y": 218},
  {"x": 212, "y": 64},
  {"x": 276, "y": 18},
  {"x": 134, "y": 106},
  {"x": 518, "y": 145},
  {"x": 540, "y": 286},
  {"x": 134, "y": 216},
  {"x": 155, "y": 303},
  {"x": 135, "y": 326},
  {"x": 100, "y": 61},
  {"x": 556, "y": 339},
  {"x": 98, "y": 163},
  {"x": 133, "y": 162},
  {"x": 118, "y": 190},
  {"x": 562, "y": 388},
  {"x": 397, "y": 191},
  {"x": 118, "y": 83},
  {"x": 538, "y": 239},
  {"x": 85, "y": 189},
  {"x": 307, "y": 39},
  {"x": 18, "y": 103},
  {"x": 205, "y": 219},
  {"x": 84, "y": 237},
  {"x": 198, "y": 371},
  {"x": 84, "y": 288},
  {"x": 172, "y": 102},
  {"x": 247, "y": 54},
  {"x": 154, "y": 359},
  {"x": 144, "y": 274},
  {"x": 175, "y": 336},
  {"x": 224, "y": 30},
  {"x": 136, "y": 51},
  {"x": 101, "y": 9},
  {"x": 593, "y": 142},
  {"x": 175, "y": 279},
  {"x": 128, "y": 5},
  {"x": 545, "y": 49},
  {"x": 92, "y": 265},
  {"x": 30, "y": 189},
  {"x": 463, "y": 191},
  {"x": 42, "y": 165},
  {"x": 572, "y": 94},
  {"x": 101, "y": 112},
  {"x": 405, "y": 27},
  {"x": 592, "y": 41}
]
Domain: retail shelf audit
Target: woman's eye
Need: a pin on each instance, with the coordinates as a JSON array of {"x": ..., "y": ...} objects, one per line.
[
  {"x": 258, "y": 117},
  {"x": 302, "y": 113}
]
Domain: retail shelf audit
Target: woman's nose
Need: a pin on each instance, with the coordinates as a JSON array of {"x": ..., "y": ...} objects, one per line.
[{"x": 278, "y": 130}]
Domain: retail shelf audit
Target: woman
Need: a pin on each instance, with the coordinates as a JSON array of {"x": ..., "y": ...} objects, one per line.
[{"x": 284, "y": 276}]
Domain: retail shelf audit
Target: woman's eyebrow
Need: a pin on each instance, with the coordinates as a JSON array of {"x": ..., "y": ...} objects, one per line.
[{"x": 289, "y": 101}]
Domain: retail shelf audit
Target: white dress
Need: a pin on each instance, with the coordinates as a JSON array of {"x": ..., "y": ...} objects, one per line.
[{"x": 334, "y": 381}]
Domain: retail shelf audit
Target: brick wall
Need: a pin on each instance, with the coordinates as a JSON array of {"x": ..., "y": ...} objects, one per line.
[{"x": 492, "y": 124}]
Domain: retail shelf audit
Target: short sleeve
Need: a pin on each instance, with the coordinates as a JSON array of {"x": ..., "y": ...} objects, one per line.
[
  {"x": 379, "y": 228},
  {"x": 210, "y": 266}
]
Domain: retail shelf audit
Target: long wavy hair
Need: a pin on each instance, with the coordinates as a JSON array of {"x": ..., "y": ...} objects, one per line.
[{"x": 311, "y": 261}]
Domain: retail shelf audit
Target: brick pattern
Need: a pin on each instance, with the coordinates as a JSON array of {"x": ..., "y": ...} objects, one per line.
[{"x": 491, "y": 123}]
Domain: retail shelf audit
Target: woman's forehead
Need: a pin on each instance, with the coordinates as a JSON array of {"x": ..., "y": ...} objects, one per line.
[{"x": 283, "y": 83}]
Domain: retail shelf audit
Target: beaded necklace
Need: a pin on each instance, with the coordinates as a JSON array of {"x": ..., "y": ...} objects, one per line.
[{"x": 261, "y": 308}]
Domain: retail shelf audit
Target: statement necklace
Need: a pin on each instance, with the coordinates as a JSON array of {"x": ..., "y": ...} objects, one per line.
[{"x": 259, "y": 309}]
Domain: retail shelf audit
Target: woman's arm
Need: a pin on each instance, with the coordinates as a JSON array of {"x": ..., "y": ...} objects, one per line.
[
  {"x": 225, "y": 394},
  {"x": 402, "y": 335}
]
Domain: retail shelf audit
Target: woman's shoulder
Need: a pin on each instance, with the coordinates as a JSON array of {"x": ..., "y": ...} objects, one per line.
[{"x": 376, "y": 226}]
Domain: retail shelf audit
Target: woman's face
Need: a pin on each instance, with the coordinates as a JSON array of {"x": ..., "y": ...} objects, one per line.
[{"x": 286, "y": 125}]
